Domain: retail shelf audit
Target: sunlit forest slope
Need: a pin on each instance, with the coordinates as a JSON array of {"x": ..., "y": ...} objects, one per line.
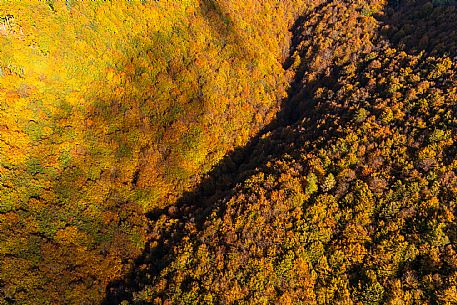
[{"x": 228, "y": 152}]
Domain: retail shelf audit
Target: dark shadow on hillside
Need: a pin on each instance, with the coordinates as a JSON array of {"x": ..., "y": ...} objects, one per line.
[
  {"x": 300, "y": 118},
  {"x": 194, "y": 207},
  {"x": 421, "y": 25},
  {"x": 299, "y": 123}
]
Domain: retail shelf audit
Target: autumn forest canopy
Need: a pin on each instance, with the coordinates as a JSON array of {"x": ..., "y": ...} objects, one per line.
[{"x": 228, "y": 152}]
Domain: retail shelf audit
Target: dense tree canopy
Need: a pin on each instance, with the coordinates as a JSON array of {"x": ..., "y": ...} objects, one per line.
[
  {"x": 228, "y": 152},
  {"x": 352, "y": 201},
  {"x": 111, "y": 109}
]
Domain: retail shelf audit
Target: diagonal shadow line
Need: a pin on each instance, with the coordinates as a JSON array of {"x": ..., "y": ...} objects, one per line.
[{"x": 195, "y": 206}]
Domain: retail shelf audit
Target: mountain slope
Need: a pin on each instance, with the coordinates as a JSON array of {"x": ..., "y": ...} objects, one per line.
[
  {"x": 112, "y": 109},
  {"x": 351, "y": 200}
]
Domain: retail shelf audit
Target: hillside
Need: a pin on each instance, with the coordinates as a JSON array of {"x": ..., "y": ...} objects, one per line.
[
  {"x": 228, "y": 152},
  {"x": 110, "y": 110},
  {"x": 351, "y": 199}
]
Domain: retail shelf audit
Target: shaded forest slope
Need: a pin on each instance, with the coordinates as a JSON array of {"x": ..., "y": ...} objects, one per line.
[{"x": 350, "y": 198}]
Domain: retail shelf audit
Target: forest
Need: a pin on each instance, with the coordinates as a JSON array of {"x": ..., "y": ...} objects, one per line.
[{"x": 228, "y": 152}]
